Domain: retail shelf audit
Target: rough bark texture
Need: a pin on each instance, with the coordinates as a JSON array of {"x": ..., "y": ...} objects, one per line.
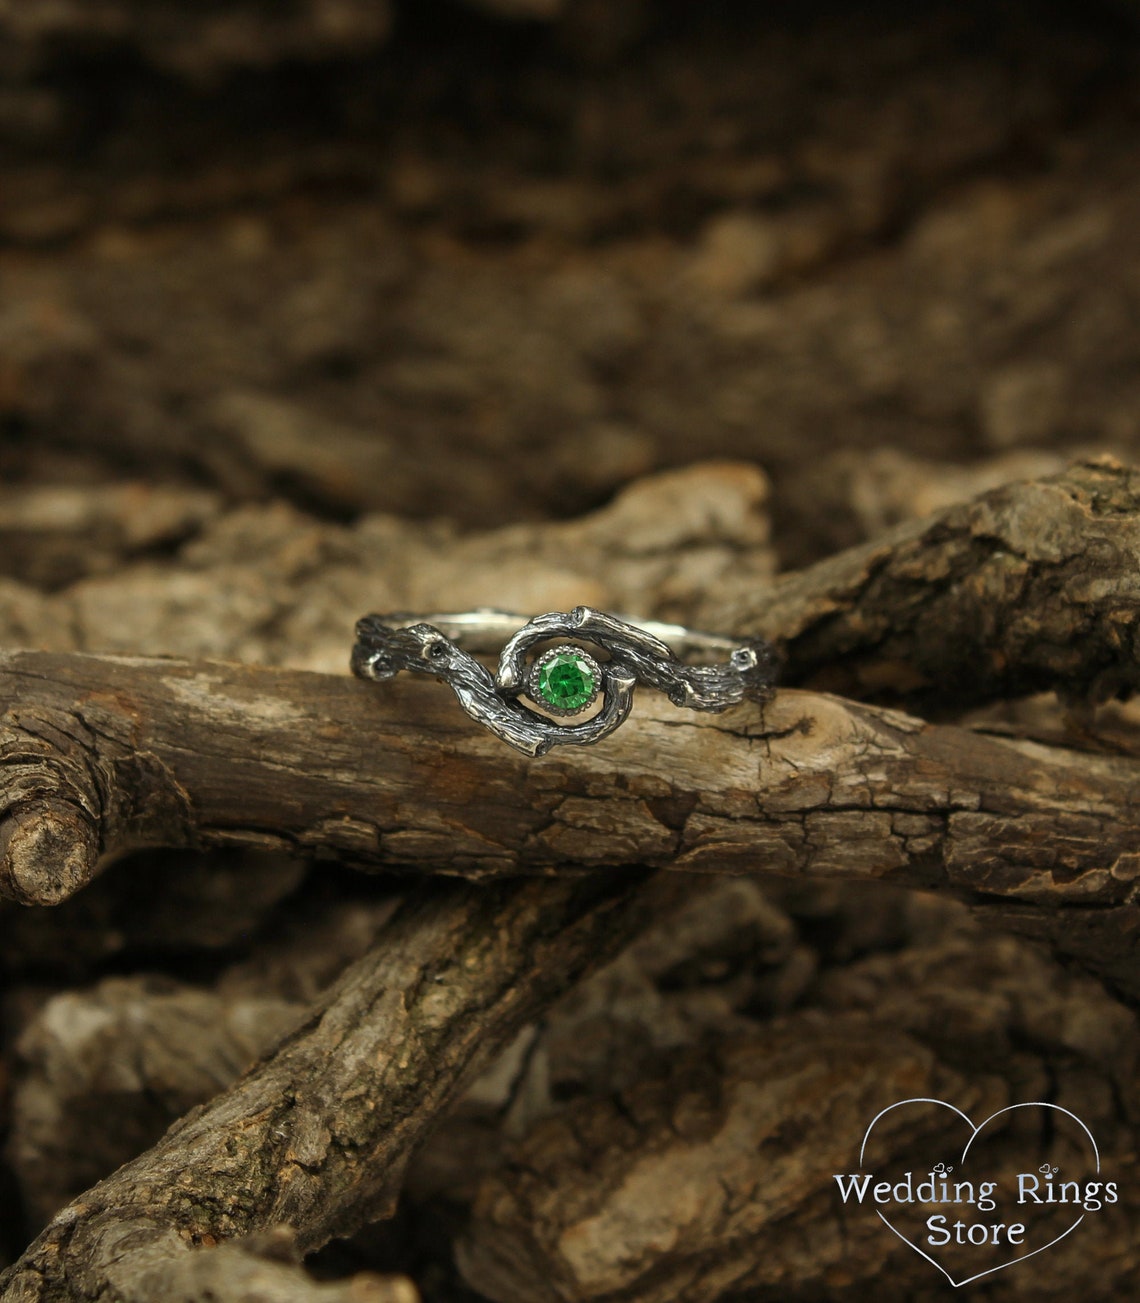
[
  {"x": 144, "y": 1049},
  {"x": 320, "y": 307},
  {"x": 655, "y": 1194},
  {"x": 1029, "y": 587},
  {"x": 106, "y": 753},
  {"x": 317, "y": 1136},
  {"x": 272, "y": 585},
  {"x": 123, "y": 751}
]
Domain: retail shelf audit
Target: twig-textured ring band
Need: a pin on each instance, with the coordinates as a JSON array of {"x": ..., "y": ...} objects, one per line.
[{"x": 563, "y": 680}]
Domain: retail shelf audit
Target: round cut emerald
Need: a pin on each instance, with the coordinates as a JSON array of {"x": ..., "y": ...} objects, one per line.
[{"x": 566, "y": 682}]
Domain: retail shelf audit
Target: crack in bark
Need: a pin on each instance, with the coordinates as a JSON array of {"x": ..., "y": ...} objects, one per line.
[{"x": 102, "y": 753}]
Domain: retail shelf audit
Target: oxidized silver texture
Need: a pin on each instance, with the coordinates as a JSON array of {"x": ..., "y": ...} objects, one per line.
[{"x": 387, "y": 644}]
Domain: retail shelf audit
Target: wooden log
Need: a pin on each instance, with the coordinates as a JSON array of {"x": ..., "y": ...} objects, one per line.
[
  {"x": 317, "y": 1135},
  {"x": 1029, "y": 587},
  {"x": 103, "y": 753},
  {"x": 710, "y": 1174}
]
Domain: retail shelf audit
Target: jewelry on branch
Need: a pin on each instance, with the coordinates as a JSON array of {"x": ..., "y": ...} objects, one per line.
[{"x": 526, "y": 701}]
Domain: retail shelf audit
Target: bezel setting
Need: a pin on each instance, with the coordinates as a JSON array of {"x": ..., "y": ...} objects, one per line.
[{"x": 535, "y": 693}]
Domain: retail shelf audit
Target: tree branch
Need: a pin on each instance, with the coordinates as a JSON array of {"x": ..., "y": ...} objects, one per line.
[
  {"x": 1029, "y": 587},
  {"x": 317, "y": 1136},
  {"x": 100, "y": 754},
  {"x": 709, "y": 1174}
]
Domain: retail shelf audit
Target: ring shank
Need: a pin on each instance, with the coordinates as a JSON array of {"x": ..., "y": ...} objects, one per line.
[{"x": 486, "y": 630}]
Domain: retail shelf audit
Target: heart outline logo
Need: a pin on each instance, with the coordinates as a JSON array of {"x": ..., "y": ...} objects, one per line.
[{"x": 974, "y": 1133}]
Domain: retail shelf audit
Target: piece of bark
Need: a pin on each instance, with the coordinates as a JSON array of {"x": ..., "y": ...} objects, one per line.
[
  {"x": 105, "y": 752},
  {"x": 681, "y": 1186},
  {"x": 1033, "y": 582},
  {"x": 99, "y": 1073},
  {"x": 711, "y": 1176},
  {"x": 150, "y": 906},
  {"x": 101, "y": 753},
  {"x": 96, "y": 1081},
  {"x": 257, "y": 1268},
  {"x": 999, "y": 1003},
  {"x": 51, "y": 535},
  {"x": 1031, "y": 586},
  {"x": 728, "y": 958},
  {"x": 252, "y": 1272},
  {"x": 29, "y": 618},
  {"x": 849, "y": 497},
  {"x": 688, "y": 975},
  {"x": 273, "y": 585},
  {"x": 317, "y": 1136},
  {"x": 915, "y": 960}
]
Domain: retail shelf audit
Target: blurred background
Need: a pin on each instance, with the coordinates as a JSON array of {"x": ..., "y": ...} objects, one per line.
[{"x": 491, "y": 259}]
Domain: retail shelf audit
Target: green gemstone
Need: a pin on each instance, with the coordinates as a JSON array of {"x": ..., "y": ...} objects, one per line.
[{"x": 566, "y": 682}]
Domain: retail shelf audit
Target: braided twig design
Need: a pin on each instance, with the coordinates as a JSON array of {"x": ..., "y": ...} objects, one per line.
[{"x": 630, "y": 655}]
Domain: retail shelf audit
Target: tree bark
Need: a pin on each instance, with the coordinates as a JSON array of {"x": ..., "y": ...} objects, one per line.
[
  {"x": 709, "y": 1172},
  {"x": 100, "y": 754},
  {"x": 1030, "y": 587},
  {"x": 317, "y": 1135},
  {"x": 105, "y": 753},
  {"x": 355, "y": 376}
]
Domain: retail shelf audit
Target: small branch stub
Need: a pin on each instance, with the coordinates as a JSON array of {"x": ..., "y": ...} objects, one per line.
[{"x": 46, "y": 855}]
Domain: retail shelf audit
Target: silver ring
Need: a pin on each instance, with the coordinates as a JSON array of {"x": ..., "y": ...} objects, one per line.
[{"x": 525, "y": 701}]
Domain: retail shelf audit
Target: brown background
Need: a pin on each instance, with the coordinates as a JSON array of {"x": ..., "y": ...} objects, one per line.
[{"x": 318, "y": 307}]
